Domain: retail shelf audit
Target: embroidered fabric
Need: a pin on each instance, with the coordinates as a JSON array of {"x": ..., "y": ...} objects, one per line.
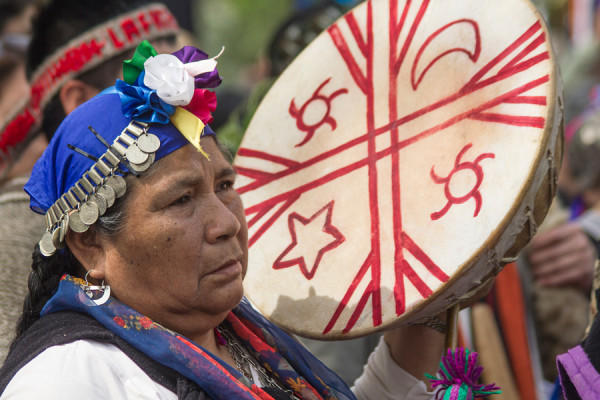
[
  {"x": 249, "y": 366},
  {"x": 296, "y": 368}
]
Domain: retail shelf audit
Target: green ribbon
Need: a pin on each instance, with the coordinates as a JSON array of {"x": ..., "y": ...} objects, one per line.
[{"x": 134, "y": 67}]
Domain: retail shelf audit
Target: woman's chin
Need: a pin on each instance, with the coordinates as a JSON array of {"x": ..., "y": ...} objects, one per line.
[{"x": 229, "y": 297}]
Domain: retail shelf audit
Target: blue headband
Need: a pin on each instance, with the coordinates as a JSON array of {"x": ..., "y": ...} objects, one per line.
[{"x": 123, "y": 129}]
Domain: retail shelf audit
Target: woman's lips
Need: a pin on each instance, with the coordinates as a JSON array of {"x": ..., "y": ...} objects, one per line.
[{"x": 233, "y": 267}]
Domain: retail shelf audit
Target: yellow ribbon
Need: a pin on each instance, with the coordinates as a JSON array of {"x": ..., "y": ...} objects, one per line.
[{"x": 190, "y": 126}]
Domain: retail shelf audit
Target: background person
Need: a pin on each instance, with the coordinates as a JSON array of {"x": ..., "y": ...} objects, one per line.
[
  {"x": 119, "y": 25},
  {"x": 15, "y": 33}
]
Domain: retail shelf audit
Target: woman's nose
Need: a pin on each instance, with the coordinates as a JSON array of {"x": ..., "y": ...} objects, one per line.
[{"x": 222, "y": 223}]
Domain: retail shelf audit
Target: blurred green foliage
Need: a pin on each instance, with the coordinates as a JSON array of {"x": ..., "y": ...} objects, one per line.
[{"x": 244, "y": 27}]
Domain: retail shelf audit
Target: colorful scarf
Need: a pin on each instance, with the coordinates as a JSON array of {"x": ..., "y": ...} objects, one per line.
[{"x": 278, "y": 353}]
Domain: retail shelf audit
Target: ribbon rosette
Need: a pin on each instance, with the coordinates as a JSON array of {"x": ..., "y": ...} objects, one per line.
[
  {"x": 143, "y": 104},
  {"x": 202, "y": 105},
  {"x": 166, "y": 74},
  {"x": 189, "y": 55},
  {"x": 155, "y": 84}
]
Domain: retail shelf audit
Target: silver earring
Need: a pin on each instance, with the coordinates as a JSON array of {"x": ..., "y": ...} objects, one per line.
[{"x": 98, "y": 294}]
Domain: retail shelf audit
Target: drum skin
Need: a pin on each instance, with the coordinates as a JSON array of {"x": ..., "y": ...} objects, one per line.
[{"x": 398, "y": 163}]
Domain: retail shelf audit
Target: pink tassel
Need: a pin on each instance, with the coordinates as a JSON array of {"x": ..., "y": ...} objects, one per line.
[{"x": 459, "y": 376}]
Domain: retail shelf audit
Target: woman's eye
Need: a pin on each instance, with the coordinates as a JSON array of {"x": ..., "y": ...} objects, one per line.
[
  {"x": 225, "y": 185},
  {"x": 182, "y": 200}
]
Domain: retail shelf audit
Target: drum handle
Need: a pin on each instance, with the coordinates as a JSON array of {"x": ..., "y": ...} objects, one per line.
[{"x": 452, "y": 324}]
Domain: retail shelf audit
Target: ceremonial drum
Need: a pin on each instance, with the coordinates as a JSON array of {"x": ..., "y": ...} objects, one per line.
[{"x": 398, "y": 163}]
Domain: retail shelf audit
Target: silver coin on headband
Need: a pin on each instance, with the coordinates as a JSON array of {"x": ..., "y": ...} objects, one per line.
[
  {"x": 148, "y": 142},
  {"x": 135, "y": 155},
  {"x": 55, "y": 239},
  {"x": 64, "y": 225},
  {"x": 88, "y": 212},
  {"x": 100, "y": 202},
  {"x": 144, "y": 166},
  {"x": 76, "y": 224},
  {"x": 117, "y": 183},
  {"x": 46, "y": 246},
  {"x": 108, "y": 194},
  {"x": 58, "y": 236}
]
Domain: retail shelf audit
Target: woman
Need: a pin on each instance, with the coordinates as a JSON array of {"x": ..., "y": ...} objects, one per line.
[{"x": 143, "y": 298}]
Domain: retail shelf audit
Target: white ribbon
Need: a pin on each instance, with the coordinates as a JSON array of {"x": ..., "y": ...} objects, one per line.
[
  {"x": 203, "y": 66},
  {"x": 174, "y": 80},
  {"x": 166, "y": 74}
]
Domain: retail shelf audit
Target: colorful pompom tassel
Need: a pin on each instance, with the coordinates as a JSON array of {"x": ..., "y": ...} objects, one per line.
[{"x": 459, "y": 374}]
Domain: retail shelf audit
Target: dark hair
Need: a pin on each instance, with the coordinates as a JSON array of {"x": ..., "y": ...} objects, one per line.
[
  {"x": 99, "y": 77},
  {"x": 583, "y": 153},
  {"x": 46, "y": 272},
  {"x": 12, "y": 8},
  {"x": 60, "y": 21},
  {"x": 294, "y": 34}
]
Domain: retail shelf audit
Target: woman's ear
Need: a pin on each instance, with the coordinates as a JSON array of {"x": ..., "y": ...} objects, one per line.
[
  {"x": 89, "y": 250},
  {"x": 73, "y": 93}
]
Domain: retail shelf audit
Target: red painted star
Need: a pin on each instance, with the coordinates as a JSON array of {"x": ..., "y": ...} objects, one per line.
[{"x": 311, "y": 239}]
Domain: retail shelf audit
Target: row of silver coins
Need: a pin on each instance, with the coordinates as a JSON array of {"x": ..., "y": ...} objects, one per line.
[{"x": 97, "y": 190}]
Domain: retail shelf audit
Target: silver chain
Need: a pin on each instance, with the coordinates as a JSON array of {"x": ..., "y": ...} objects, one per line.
[{"x": 244, "y": 361}]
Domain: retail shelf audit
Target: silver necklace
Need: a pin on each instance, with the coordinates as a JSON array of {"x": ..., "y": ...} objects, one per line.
[{"x": 246, "y": 363}]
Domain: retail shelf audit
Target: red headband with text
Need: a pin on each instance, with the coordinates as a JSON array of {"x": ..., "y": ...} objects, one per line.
[{"x": 80, "y": 55}]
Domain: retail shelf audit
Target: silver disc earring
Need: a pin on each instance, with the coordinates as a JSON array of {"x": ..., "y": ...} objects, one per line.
[{"x": 98, "y": 294}]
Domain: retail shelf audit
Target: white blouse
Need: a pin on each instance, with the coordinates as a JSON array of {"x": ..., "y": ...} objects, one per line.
[{"x": 98, "y": 371}]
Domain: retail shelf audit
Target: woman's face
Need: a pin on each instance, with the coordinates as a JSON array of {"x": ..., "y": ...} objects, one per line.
[{"x": 183, "y": 252}]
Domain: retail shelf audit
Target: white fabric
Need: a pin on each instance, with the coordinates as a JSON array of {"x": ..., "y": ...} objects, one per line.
[
  {"x": 97, "y": 371},
  {"x": 383, "y": 379},
  {"x": 84, "y": 370},
  {"x": 166, "y": 74}
]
